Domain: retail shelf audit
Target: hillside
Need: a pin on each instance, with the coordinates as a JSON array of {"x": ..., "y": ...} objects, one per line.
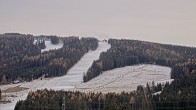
[
  {"x": 65, "y": 82},
  {"x": 126, "y": 79},
  {"x": 103, "y": 77},
  {"x": 130, "y": 52},
  {"x": 22, "y": 60}
]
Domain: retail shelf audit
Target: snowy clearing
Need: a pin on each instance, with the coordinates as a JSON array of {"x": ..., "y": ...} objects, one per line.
[
  {"x": 66, "y": 82},
  {"x": 50, "y": 46},
  {"x": 126, "y": 78}
]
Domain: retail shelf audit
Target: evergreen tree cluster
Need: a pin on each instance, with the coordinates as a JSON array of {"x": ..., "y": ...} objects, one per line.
[
  {"x": 130, "y": 52},
  {"x": 177, "y": 95},
  {"x": 54, "y": 39},
  {"x": 27, "y": 66},
  {"x": 13, "y": 45},
  {"x": 41, "y": 43},
  {"x": 50, "y": 100}
]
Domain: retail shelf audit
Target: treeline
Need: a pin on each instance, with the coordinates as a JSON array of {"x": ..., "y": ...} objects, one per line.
[
  {"x": 54, "y": 39},
  {"x": 14, "y": 45},
  {"x": 40, "y": 43},
  {"x": 179, "y": 95},
  {"x": 27, "y": 67},
  {"x": 50, "y": 99},
  {"x": 130, "y": 52}
]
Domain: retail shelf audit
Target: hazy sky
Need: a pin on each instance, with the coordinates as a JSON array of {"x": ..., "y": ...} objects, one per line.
[{"x": 166, "y": 21}]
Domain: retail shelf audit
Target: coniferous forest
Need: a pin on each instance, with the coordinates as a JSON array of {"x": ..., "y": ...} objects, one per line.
[
  {"x": 97, "y": 54},
  {"x": 21, "y": 59},
  {"x": 25, "y": 60},
  {"x": 130, "y": 52},
  {"x": 179, "y": 95}
]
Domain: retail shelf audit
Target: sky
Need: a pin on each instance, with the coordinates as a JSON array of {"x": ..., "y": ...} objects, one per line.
[{"x": 164, "y": 21}]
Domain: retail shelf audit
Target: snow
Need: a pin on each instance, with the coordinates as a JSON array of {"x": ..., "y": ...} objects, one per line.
[
  {"x": 66, "y": 82},
  {"x": 157, "y": 93},
  {"x": 116, "y": 80},
  {"x": 126, "y": 78},
  {"x": 50, "y": 46}
]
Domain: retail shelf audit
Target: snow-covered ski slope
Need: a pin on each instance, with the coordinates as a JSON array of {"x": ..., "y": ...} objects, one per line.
[
  {"x": 75, "y": 74},
  {"x": 126, "y": 78},
  {"x": 116, "y": 80},
  {"x": 66, "y": 82}
]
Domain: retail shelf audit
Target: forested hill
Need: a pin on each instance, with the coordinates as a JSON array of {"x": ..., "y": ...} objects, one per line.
[
  {"x": 21, "y": 59},
  {"x": 129, "y": 52},
  {"x": 15, "y": 45},
  {"x": 179, "y": 95}
]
